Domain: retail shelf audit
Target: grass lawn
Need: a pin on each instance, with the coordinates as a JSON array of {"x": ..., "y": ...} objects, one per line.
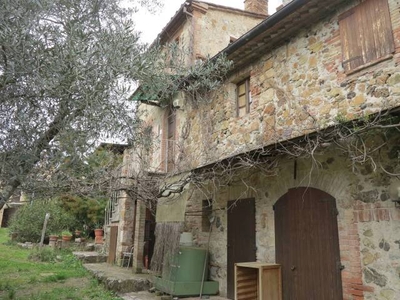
[{"x": 24, "y": 275}]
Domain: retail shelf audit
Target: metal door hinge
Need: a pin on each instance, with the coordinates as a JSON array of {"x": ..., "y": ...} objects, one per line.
[{"x": 340, "y": 266}]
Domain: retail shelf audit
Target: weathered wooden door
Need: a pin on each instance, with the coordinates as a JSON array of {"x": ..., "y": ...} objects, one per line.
[
  {"x": 241, "y": 237},
  {"x": 307, "y": 245},
  {"x": 113, "y": 244},
  {"x": 149, "y": 238}
]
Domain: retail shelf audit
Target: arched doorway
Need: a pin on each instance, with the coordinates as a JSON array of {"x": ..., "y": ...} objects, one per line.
[{"x": 307, "y": 245}]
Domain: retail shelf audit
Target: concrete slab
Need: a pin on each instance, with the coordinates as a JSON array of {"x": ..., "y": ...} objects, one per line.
[
  {"x": 152, "y": 296},
  {"x": 117, "y": 279},
  {"x": 90, "y": 257}
]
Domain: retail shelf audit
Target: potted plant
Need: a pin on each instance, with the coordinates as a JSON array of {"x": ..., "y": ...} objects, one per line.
[
  {"x": 78, "y": 233},
  {"x": 53, "y": 237},
  {"x": 66, "y": 235},
  {"x": 98, "y": 233}
]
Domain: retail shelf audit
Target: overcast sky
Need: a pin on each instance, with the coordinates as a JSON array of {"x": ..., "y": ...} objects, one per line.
[{"x": 152, "y": 24}]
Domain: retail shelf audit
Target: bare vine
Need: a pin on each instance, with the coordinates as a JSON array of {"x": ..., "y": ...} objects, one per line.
[{"x": 350, "y": 138}]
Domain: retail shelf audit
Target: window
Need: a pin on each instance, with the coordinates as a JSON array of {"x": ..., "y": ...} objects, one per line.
[
  {"x": 243, "y": 97},
  {"x": 171, "y": 127},
  {"x": 113, "y": 211},
  {"x": 206, "y": 212},
  {"x": 366, "y": 34}
]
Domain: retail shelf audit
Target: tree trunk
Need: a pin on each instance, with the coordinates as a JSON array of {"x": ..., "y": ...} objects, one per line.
[
  {"x": 7, "y": 192},
  {"x": 42, "y": 144}
]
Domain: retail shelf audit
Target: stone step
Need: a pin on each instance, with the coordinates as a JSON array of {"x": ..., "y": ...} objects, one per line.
[
  {"x": 119, "y": 280},
  {"x": 90, "y": 257}
]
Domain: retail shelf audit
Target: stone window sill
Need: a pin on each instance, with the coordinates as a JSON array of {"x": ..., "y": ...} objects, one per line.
[{"x": 370, "y": 64}]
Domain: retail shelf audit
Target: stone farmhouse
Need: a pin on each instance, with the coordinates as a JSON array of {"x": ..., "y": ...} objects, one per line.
[
  {"x": 204, "y": 29},
  {"x": 295, "y": 157}
]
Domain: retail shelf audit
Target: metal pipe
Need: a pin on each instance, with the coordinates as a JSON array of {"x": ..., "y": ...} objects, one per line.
[{"x": 212, "y": 219}]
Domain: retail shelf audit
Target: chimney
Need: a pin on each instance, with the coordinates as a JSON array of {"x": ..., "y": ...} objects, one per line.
[{"x": 256, "y": 6}]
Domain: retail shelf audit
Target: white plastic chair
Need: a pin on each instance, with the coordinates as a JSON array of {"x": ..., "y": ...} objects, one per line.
[{"x": 129, "y": 255}]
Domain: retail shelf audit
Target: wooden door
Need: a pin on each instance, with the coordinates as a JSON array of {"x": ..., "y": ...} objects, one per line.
[
  {"x": 113, "y": 244},
  {"x": 241, "y": 237},
  {"x": 307, "y": 245},
  {"x": 149, "y": 238}
]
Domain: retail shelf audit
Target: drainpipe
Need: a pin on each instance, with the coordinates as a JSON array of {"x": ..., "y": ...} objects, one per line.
[
  {"x": 192, "y": 25},
  {"x": 134, "y": 222},
  {"x": 212, "y": 219}
]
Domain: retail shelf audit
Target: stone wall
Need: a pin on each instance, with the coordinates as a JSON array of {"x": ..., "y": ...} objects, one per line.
[
  {"x": 125, "y": 211},
  {"x": 256, "y": 6},
  {"x": 137, "y": 262},
  {"x": 214, "y": 28},
  {"x": 205, "y": 34},
  {"x": 368, "y": 220},
  {"x": 125, "y": 224},
  {"x": 297, "y": 88}
]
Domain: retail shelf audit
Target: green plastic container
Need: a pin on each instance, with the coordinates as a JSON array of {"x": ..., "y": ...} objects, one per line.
[{"x": 184, "y": 276}]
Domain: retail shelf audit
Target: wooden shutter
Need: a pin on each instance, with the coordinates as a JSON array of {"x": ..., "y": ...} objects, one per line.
[{"x": 366, "y": 34}]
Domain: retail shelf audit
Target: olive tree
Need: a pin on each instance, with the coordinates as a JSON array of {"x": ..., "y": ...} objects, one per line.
[{"x": 66, "y": 69}]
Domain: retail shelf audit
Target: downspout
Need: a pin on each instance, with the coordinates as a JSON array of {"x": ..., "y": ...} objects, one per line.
[
  {"x": 192, "y": 27},
  {"x": 134, "y": 224},
  {"x": 203, "y": 278}
]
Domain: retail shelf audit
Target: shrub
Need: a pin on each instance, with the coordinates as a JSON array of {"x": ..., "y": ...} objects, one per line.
[
  {"x": 43, "y": 254},
  {"x": 28, "y": 221},
  {"x": 88, "y": 211}
]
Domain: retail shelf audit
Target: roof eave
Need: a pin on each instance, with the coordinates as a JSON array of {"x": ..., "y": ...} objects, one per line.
[{"x": 249, "y": 45}]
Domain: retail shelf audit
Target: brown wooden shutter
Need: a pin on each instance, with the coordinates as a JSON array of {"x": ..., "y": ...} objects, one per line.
[
  {"x": 349, "y": 34},
  {"x": 383, "y": 33},
  {"x": 366, "y": 33}
]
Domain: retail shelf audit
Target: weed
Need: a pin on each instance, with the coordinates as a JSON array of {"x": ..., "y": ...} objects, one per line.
[
  {"x": 9, "y": 289},
  {"x": 11, "y": 294},
  {"x": 43, "y": 254},
  {"x": 51, "y": 275},
  {"x": 55, "y": 278},
  {"x": 71, "y": 261},
  {"x": 5, "y": 286}
]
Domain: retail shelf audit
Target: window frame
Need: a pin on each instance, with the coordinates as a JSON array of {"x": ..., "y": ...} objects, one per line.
[
  {"x": 247, "y": 94},
  {"x": 170, "y": 139}
]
